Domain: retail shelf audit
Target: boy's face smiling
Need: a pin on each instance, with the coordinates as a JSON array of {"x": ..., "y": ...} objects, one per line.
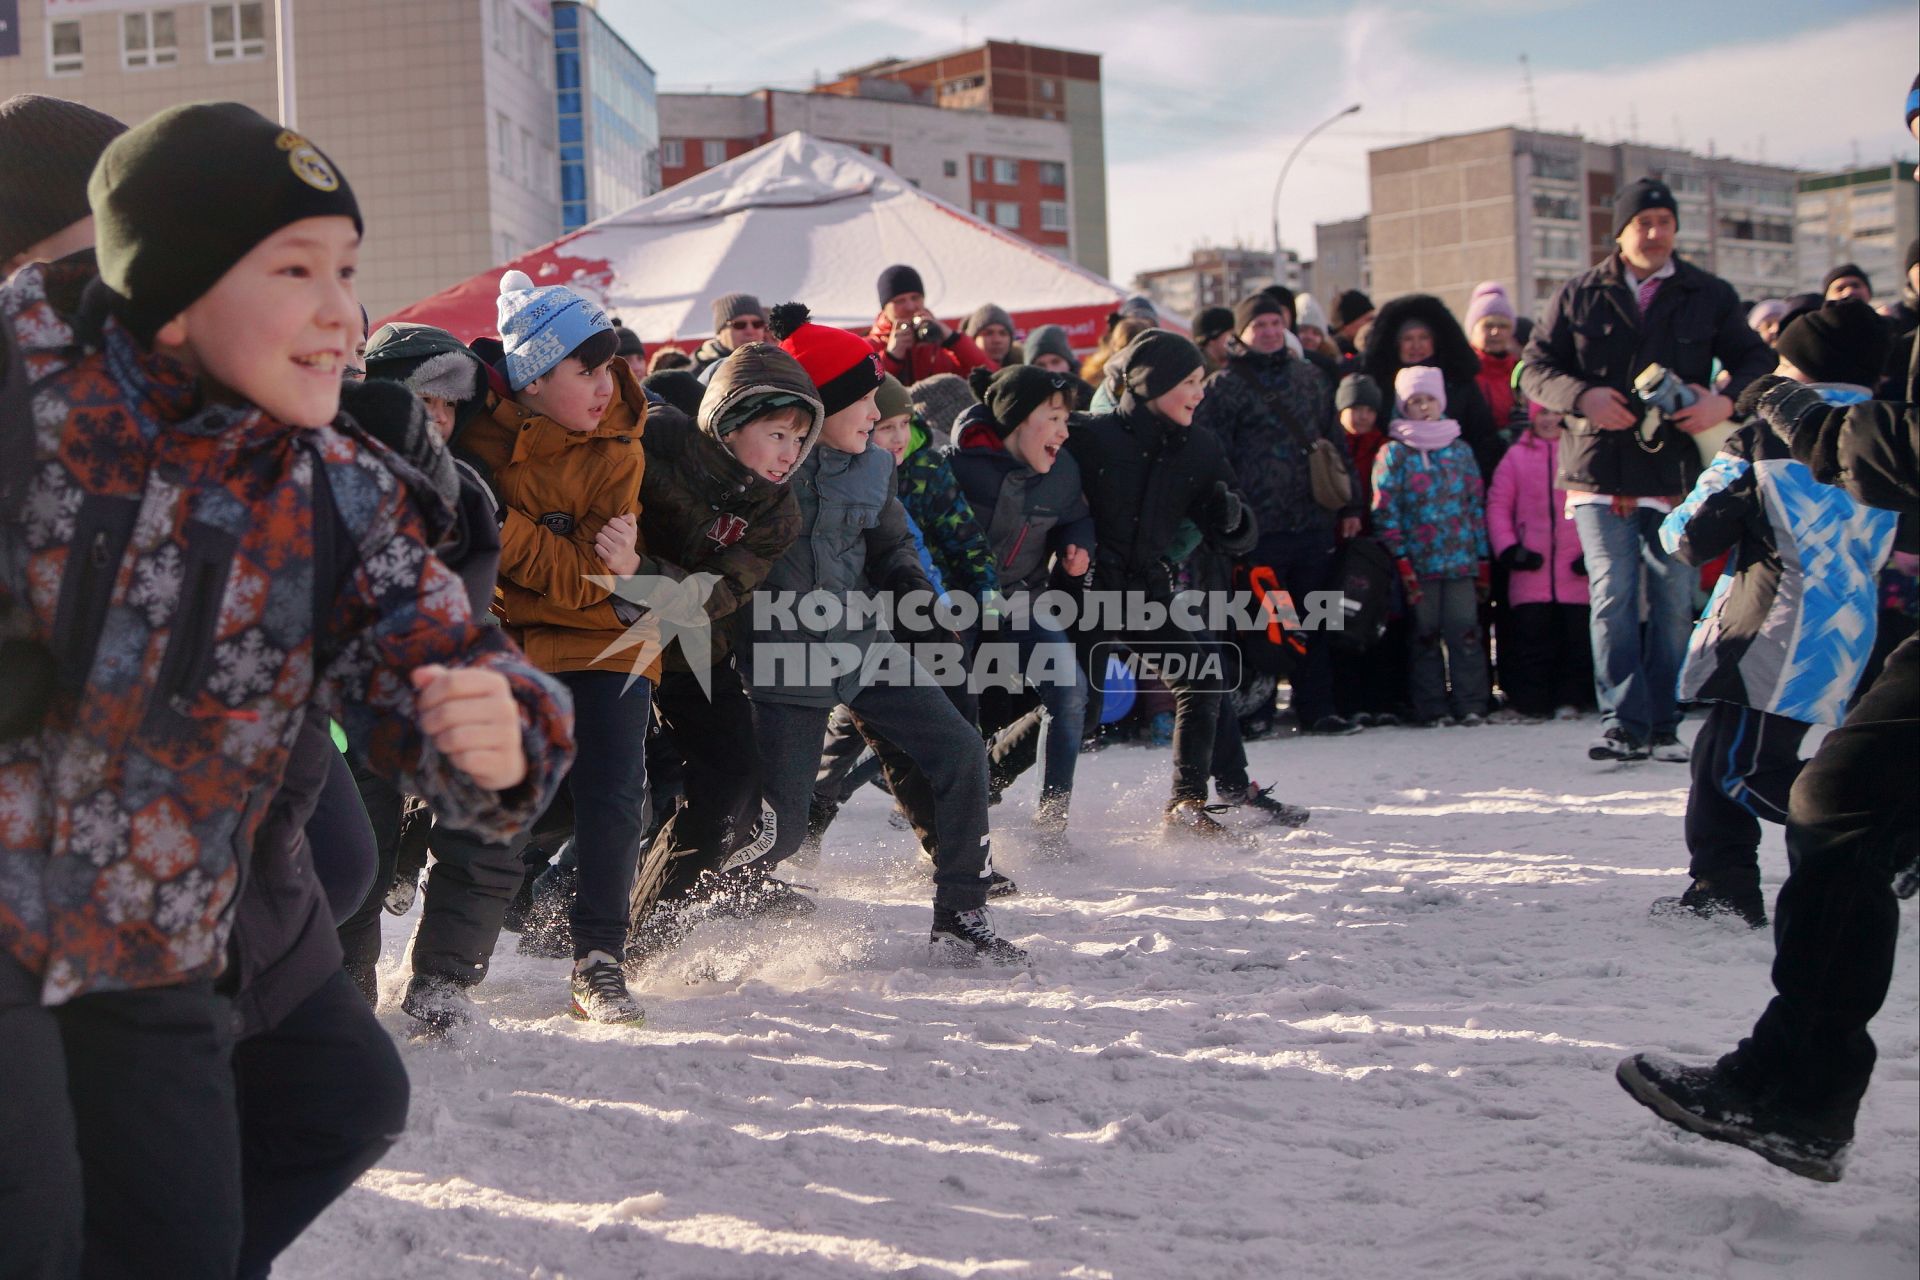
[
  {"x": 277, "y": 329},
  {"x": 571, "y": 394},
  {"x": 769, "y": 446},
  {"x": 894, "y": 435}
]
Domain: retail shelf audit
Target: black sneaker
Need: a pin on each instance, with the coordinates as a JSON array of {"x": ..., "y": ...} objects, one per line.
[
  {"x": 439, "y": 1004},
  {"x": 1195, "y": 818},
  {"x": 1616, "y": 744},
  {"x": 1704, "y": 901},
  {"x": 966, "y": 938},
  {"x": 1333, "y": 726},
  {"x": 1709, "y": 1101},
  {"x": 1260, "y": 800},
  {"x": 999, "y": 886},
  {"x": 1669, "y": 748},
  {"x": 600, "y": 991}
]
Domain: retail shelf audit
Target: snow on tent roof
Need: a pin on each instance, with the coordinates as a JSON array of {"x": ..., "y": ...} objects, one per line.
[{"x": 800, "y": 220}]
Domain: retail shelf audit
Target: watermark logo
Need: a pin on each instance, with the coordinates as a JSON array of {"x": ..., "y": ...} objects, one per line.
[{"x": 671, "y": 611}]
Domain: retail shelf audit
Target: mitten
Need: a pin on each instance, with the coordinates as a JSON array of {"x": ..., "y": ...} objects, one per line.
[
  {"x": 1409, "y": 580},
  {"x": 1223, "y": 508},
  {"x": 1521, "y": 558},
  {"x": 1579, "y": 566}
]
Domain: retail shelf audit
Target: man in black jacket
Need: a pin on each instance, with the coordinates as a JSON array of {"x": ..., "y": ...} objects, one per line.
[{"x": 1624, "y": 468}]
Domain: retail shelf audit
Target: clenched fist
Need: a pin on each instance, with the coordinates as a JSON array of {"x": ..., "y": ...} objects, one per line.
[{"x": 471, "y": 718}]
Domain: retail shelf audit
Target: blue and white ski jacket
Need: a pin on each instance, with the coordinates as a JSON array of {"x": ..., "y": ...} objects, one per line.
[{"x": 1791, "y": 622}]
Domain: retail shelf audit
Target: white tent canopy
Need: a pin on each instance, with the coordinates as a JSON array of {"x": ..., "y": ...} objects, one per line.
[{"x": 795, "y": 220}]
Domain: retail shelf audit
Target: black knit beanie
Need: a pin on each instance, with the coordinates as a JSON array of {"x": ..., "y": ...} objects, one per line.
[
  {"x": 1158, "y": 361},
  {"x": 626, "y": 342},
  {"x": 1841, "y": 342},
  {"x": 1637, "y": 197},
  {"x": 1350, "y": 306},
  {"x": 1358, "y": 389},
  {"x": 1015, "y": 392},
  {"x": 48, "y": 147},
  {"x": 1845, "y": 271},
  {"x": 1211, "y": 323},
  {"x": 899, "y": 279},
  {"x": 182, "y": 198},
  {"x": 1284, "y": 296},
  {"x": 1247, "y": 310}
]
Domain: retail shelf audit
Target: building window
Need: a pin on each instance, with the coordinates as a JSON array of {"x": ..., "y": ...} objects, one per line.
[
  {"x": 1560, "y": 208},
  {"x": 503, "y": 144},
  {"x": 500, "y": 26},
  {"x": 673, "y": 153},
  {"x": 236, "y": 32},
  {"x": 1048, "y": 89},
  {"x": 1006, "y": 172},
  {"x": 712, "y": 152},
  {"x": 529, "y": 174},
  {"x": 980, "y": 169},
  {"x": 1052, "y": 174},
  {"x": 1053, "y": 215},
  {"x": 1556, "y": 168},
  {"x": 983, "y": 210},
  {"x": 147, "y": 40},
  {"x": 64, "y": 55},
  {"x": 950, "y": 168},
  {"x": 1006, "y": 213}
]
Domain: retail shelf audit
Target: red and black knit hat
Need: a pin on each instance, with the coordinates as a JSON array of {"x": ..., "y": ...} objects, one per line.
[{"x": 844, "y": 366}]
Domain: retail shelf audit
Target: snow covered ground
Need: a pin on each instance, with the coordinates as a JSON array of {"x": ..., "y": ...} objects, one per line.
[{"x": 1382, "y": 1046}]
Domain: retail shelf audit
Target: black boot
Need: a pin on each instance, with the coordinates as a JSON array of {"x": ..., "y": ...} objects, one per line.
[
  {"x": 438, "y": 1003},
  {"x": 1714, "y": 1103},
  {"x": 1709, "y": 902},
  {"x": 1259, "y": 800},
  {"x": 967, "y": 938}
]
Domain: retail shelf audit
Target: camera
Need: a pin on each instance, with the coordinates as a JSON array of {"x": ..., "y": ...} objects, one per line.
[
  {"x": 926, "y": 329},
  {"x": 1660, "y": 391}
]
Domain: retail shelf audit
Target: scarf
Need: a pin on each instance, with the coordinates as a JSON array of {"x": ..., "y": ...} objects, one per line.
[{"x": 1424, "y": 436}]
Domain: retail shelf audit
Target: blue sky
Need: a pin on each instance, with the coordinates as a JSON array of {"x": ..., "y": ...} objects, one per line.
[{"x": 1209, "y": 97}]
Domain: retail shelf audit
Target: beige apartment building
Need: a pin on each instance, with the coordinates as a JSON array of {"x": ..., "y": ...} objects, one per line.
[
  {"x": 1534, "y": 209},
  {"x": 1867, "y": 216},
  {"x": 440, "y": 112}
]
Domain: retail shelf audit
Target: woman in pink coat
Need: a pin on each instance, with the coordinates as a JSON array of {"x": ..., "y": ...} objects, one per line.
[{"x": 1546, "y": 665}]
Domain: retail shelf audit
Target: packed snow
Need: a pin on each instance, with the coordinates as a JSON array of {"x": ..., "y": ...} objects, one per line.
[{"x": 1379, "y": 1046}]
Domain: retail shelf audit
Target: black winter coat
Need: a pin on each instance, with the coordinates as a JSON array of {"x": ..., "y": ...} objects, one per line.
[
  {"x": 1593, "y": 335},
  {"x": 1142, "y": 476},
  {"x": 1027, "y": 517}
]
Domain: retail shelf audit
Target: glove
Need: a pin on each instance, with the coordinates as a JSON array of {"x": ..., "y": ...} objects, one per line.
[
  {"x": 1750, "y": 398},
  {"x": 1223, "y": 508},
  {"x": 1520, "y": 558},
  {"x": 1483, "y": 582},
  {"x": 1409, "y": 580},
  {"x": 1579, "y": 566}
]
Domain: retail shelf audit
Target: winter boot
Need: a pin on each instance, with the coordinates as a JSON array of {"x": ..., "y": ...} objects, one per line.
[
  {"x": 999, "y": 886},
  {"x": 1259, "y": 800},
  {"x": 600, "y": 991},
  {"x": 1707, "y": 902},
  {"x": 546, "y": 930},
  {"x": 438, "y": 1003},
  {"x": 401, "y": 894},
  {"x": 964, "y": 939},
  {"x": 1714, "y": 1103},
  {"x": 1195, "y": 818},
  {"x": 1616, "y": 744},
  {"x": 1668, "y": 747}
]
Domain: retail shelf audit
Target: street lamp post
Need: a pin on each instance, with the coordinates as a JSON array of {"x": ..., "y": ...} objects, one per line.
[
  {"x": 283, "y": 41},
  {"x": 1281, "y": 181}
]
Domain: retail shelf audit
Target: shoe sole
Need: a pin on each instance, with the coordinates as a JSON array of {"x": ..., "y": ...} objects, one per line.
[
  {"x": 1602, "y": 753},
  {"x": 1648, "y": 1094},
  {"x": 945, "y": 952},
  {"x": 574, "y": 1008}
]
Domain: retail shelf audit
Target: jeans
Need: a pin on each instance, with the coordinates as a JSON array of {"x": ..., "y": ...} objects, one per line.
[
  {"x": 949, "y": 765},
  {"x": 609, "y": 788},
  {"x": 119, "y": 1142},
  {"x": 1636, "y": 670},
  {"x": 1851, "y": 821},
  {"x": 1447, "y": 616},
  {"x": 1744, "y": 765}
]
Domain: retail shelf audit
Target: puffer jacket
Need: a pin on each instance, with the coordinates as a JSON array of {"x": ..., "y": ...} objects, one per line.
[
  {"x": 1029, "y": 517},
  {"x": 1427, "y": 508},
  {"x": 204, "y": 574},
  {"x": 1791, "y": 622},
  {"x": 955, "y": 536},
  {"x": 703, "y": 511},
  {"x": 1143, "y": 477},
  {"x": 708, "y": 354},
  {"x": 1526, "y": 506},
  {"x": 559, "y": 488},
  {"x": 853, "y": 538},
  {"x": 957, "y": 353},
  {"x": 1593, "y": 334},
  {"x": 1260, "y": 406}
]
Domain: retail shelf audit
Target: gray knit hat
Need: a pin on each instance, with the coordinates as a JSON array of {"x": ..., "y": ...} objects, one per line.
[
  {"x": 729, "y": 307},
  {"x": 987, "y": 313},
  {"x": 1049, "y": 339},
  {"x": 941, "y": 399},
  {"x": 48, "y": 147}
]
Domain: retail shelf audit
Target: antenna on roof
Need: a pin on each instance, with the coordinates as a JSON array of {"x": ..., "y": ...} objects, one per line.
[
  {"x": 1533, "y": 105},
  {"x": 965, "y": 37}
]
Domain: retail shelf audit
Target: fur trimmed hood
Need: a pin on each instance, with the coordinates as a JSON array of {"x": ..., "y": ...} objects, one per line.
[{"x": 1453, "y": 355}]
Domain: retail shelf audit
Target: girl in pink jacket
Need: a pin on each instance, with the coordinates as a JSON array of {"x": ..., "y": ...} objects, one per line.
[{"x": 1546, "y": 658}]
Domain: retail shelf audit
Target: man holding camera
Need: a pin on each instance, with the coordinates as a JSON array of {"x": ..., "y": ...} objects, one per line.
[
  {"x": 1626, "y": 462},
  {"x": 911, "y": 342}
]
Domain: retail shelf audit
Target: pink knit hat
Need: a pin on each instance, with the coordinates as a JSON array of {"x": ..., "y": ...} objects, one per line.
[
  {"x": 1418, "y": 378},
  {"x": 1489, "y": 299}
]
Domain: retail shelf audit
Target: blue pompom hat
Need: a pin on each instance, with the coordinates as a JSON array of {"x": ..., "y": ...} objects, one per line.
[{"x": 540, "y": 327}]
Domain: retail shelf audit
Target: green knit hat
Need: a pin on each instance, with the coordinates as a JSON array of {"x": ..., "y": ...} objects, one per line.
[{"x": 179, "y": 200}]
